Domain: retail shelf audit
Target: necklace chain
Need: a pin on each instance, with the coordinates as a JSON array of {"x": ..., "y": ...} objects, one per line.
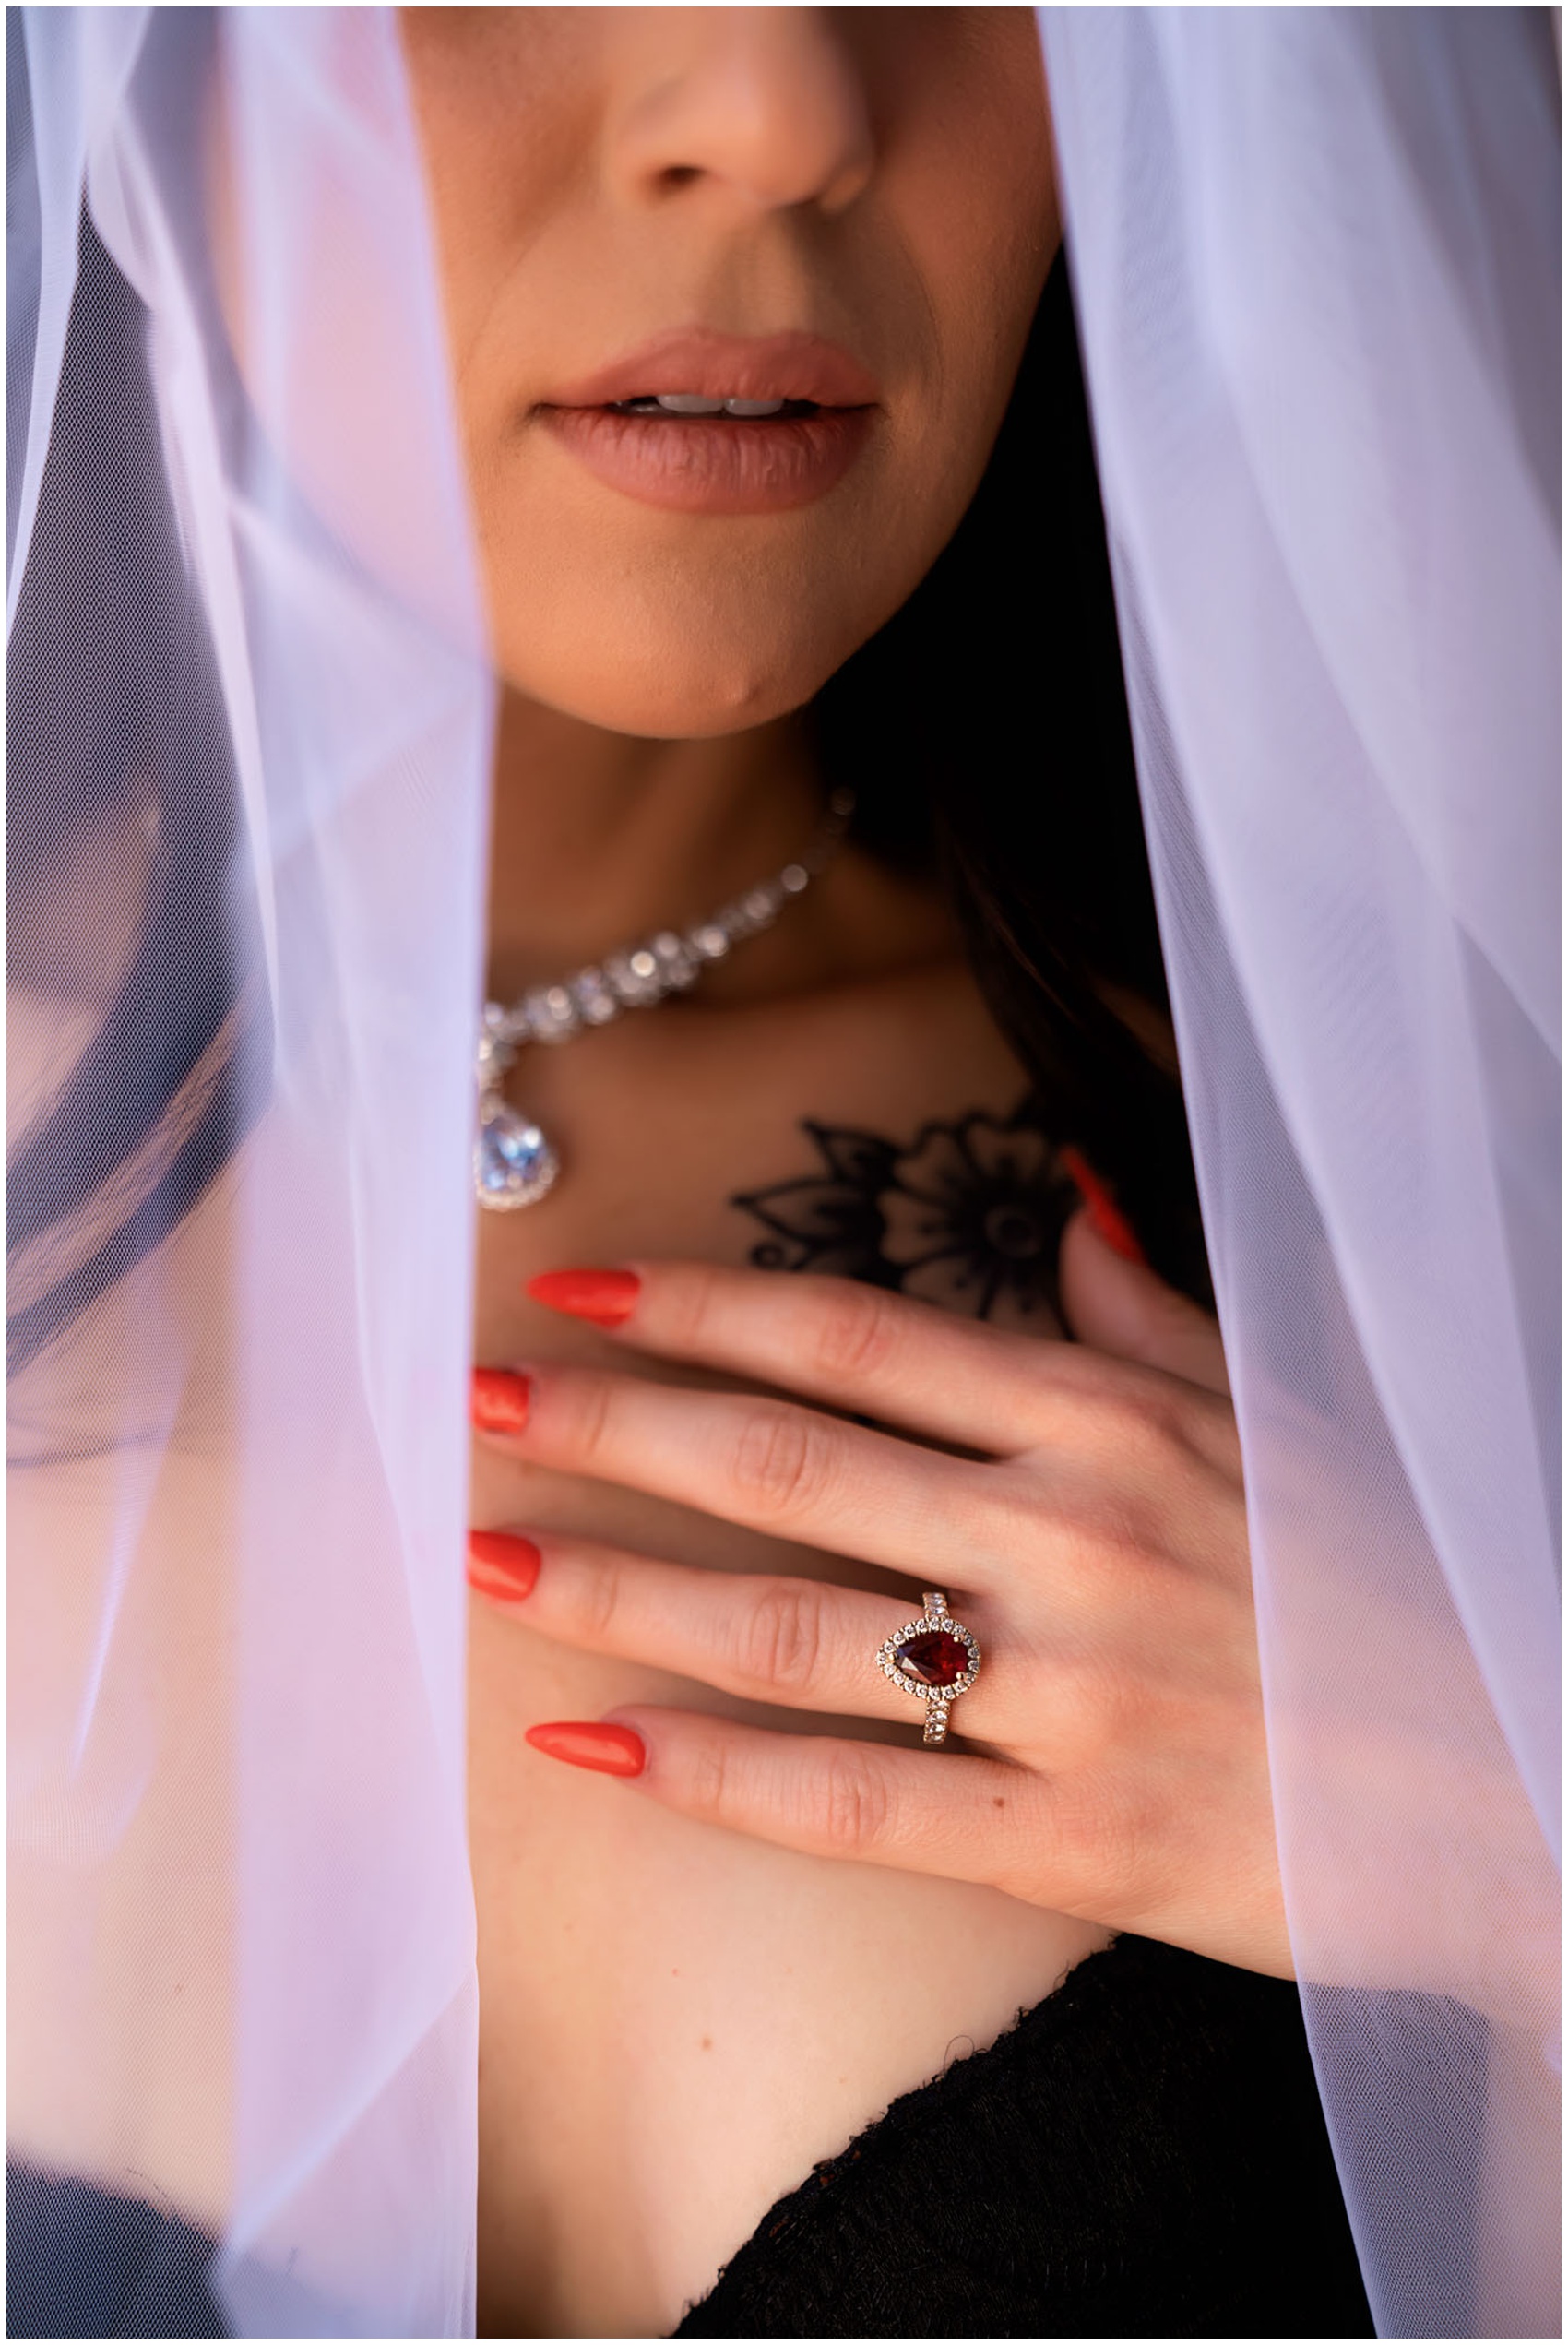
[
  {"x": 638, "y": 976},
  {"x": 514, "y": 1163}
]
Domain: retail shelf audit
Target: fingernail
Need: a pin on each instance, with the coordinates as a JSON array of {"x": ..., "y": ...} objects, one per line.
[
  {"x": 501, "y": 1564},
  {"x": 609, "y": 1750},
  {"x": 500, "y": 1400},
  {"x": 607, "y": 1297},
  {"x": 1106, "y": 1219}
]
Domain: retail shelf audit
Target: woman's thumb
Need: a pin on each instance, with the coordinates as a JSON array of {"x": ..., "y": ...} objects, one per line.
[{"x": 1114, "y": 1301}]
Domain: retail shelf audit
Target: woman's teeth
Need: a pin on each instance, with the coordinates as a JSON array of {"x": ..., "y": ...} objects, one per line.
[{"x": 695, "y": 404}]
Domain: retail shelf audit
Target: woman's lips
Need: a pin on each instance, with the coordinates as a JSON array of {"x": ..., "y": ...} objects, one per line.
[
  {"x": 714, "y": 463},
  {"x": 719, "y": 464},
  {"x": 693, "y": 358}
]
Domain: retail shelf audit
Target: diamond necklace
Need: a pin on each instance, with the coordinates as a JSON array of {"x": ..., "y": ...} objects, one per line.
[{"x": 514, "y": 1163}]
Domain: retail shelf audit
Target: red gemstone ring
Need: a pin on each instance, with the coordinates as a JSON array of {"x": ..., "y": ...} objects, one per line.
[{"x": 934, "y": 1659}]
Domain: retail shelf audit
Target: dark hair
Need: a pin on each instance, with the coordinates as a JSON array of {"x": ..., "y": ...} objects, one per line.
[
  {"x": 115, "y": 718},
  {"x": 986, "y": 726}
]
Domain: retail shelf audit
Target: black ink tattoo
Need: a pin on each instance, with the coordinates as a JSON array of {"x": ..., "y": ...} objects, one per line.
[{"x": 969, "y": 1215}]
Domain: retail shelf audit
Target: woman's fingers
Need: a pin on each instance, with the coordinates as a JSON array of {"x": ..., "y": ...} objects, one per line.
[
  {"x": 767, "y": 1464},
  {"x": 1126, "y": 1309},
  {"x": 931, "y": 1372},
  {"x": 950, "y": 1813},
  {"x": 832, "y": 1340},
  {"x": 796, "y": 1642}
]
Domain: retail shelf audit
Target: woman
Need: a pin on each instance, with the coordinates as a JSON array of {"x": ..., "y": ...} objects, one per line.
[
  {"x": 746, "y": 235},
  {"x": 749, "y": 209},
  {"x": 739, "y": 186}
]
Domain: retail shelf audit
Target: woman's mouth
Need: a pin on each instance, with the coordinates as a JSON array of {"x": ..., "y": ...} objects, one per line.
[
  {"x": 765, "y": 425},
  {"x": 757, "y": 411}
]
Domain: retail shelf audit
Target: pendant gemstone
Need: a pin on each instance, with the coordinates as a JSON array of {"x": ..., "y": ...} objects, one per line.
[
  {"x": 935, "y": 1657},
  {"x": 514, "y": 1163}
]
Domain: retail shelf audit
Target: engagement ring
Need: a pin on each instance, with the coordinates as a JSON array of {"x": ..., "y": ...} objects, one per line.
[{"x": 935, "y": 1659}]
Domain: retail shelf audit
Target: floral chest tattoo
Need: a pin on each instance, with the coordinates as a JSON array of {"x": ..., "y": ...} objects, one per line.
[{"x": 969, "y": 1215}]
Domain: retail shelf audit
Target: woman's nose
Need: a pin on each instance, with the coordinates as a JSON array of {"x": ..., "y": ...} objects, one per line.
[{"x": 765, "y": 105}]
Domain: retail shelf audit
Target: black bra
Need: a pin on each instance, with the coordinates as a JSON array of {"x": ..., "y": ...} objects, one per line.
[{"x": 1142, "y": 2155}]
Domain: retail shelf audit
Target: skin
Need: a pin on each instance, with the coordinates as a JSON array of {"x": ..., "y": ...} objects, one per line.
[
  {"x": 877, "y": 177},
  {"x": 1101, "y": 1534},
  {"x": 694, "y": 1985}
]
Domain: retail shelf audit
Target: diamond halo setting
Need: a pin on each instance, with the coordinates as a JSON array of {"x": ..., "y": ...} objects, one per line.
[{"x": 933, "y": 1658}]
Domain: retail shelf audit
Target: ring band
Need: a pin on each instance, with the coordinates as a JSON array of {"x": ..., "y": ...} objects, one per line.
[{"x": 933, "y": 1658}]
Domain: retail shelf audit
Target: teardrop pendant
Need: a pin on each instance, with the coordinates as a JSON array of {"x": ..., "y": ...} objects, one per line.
[{"x": 514, "y": 1162}]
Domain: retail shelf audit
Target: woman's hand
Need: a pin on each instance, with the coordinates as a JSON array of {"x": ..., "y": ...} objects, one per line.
[{"x": 1094, "y": 1541}]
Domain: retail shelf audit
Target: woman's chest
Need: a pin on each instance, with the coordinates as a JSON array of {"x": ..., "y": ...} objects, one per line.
[{"x": 676, "y": 2021}]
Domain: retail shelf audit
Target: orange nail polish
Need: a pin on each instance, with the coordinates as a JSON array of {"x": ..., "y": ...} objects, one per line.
[
  {"x": 1106, "y": 1218},
  {"x": 502, "y": 1565},
  {"x": 499, "y": 1402},
  {"x": 609, "y": 1750},
  {"x": 607, "y": 1297}
]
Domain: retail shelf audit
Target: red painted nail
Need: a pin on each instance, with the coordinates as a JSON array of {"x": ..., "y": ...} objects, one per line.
[
  {"x": 499, "y": 1403},
  {"x": 609, "y": 1750},
  {"x": 607, "y": 1297},
  {"x": 502, "y": 1564},
  {"x": 1106, "y": 1218}
]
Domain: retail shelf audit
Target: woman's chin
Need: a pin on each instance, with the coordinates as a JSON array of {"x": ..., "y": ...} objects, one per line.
[{"x": 684, "y": 690}]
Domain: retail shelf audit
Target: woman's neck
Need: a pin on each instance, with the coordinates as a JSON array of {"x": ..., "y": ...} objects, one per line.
[{"x": 600, "y": 838}]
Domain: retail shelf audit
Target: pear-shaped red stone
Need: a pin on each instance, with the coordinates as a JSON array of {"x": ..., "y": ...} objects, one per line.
[{"x": 935, "y": 1657}]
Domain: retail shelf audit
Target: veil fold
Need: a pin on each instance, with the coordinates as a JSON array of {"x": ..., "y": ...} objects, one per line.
[
  {"x": 250, "y": 721},
  {"x": 250, "y": 726},
  {"x": 1316, "y": 265}
]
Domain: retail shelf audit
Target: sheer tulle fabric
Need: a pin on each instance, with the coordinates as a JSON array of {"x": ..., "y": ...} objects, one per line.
[
  {"x": 250, "y": 718},
  {"x": 250, "y": 727},
  {"x": 1316, "y": 258}
]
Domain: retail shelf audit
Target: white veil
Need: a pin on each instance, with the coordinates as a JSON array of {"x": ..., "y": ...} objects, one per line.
[
  {"x": 1315, "y": 254},
  {"x": 250, "y": 721}
]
